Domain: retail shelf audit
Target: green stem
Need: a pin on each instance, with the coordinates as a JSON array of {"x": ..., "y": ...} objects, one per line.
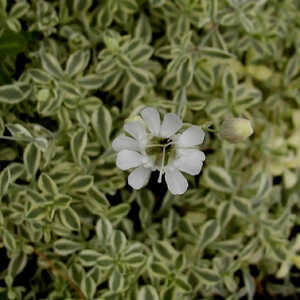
[{"x": 10, "y": 138}]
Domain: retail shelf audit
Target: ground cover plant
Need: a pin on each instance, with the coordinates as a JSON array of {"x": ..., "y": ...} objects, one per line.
[{"x": 218, "y": 219}]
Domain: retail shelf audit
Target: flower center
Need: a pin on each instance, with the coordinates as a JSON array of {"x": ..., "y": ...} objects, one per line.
[{"x": 161, "y": 151}]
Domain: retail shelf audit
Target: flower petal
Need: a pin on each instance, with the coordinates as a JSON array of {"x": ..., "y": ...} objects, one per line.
[
  {"x": 139, "y": 177},
  {"x": 136, "y": 130},
  {"x": 127, "y": 159},
  {"x": 152, "y": 119},
  {"x": 170, "y": 125},
  {"x": 123, "y": 142},
  {"x": 177, "y": 183},
  {"x": 190, "y": 162},
  {"x": 191, "y": 137}
]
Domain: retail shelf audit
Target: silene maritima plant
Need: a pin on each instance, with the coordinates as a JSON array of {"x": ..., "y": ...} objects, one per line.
[{"x": 199, "y": 100}]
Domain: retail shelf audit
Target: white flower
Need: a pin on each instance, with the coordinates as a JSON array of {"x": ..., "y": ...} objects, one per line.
[{"x": 159, "y": 148}]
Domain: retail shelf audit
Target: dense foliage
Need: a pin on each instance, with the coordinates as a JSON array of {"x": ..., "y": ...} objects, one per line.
[{"x": 72, "y": 72}]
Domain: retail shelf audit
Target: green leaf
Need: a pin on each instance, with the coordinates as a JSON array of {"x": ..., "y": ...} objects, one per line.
[
  {"x": 129, "y": 6},
  {"x": 246, "y": 23},
  {"x": 105, "y": 17},
  {"x": 76, "y": 273},
  {"x": 91, "y": 81},
  {"x": 12, "y": 93},
  {"x": 164, "y": 251},
  {"x": 249, "y": 283},
  {"x": 66, "y": 247},
  {"x": 119, "y": 211},
  {"x": 248, "y": 98},
  {"x": 203, "y": 79},
  {"x": 182, "y": 283},
  {"x": 98, "y": 197},
  {"x": 104, "y": 230},
  {"x": 169, "y": 293},
  {"x": 105, "y": 262},
  {"x": 229, "y": 80},
  {"x": 2, "y": 126},
  {"x": 77, "y": 62},
  {"x": 112, "y": 80},
  {"x": 78, "y": 145},
  {"x": 88, "y": 287},
  {"x": 70, "y": 90},
  {"x": 118, "y": 241},
  {"x": 157, "y": 3},
  {"x": 242, "y": 206},
  {"x": 209, "y": 232},
  {"x": 16, "y": 171},
  {"x": 8, "y": 154},
  {"x": 147, "y": 292},
  {"x": 81, "y": 6},
  {"x": 134, "y": 260},
  {"x": 180, "y": 262},
  {"x": 5, "y": 180},
  {"x": 224, "y": 214},
  {"x": 143, "y": 31},
  {"x": 102, "y": 124},
  {"x": 12, "y": 43},
  {"x": 207, "y": 276},
  {"x": 35, "y": 197},
  {"x": 81, "y": 183},
  {"x": 228, "y": 247},
  {"x": 159, "y": 269},
  {"x": 88, "y": 257},
  {"x": 40, "y": 76},
  {"x": 70, "y": 218},
  {"x": 218, "y": 179},
  {"x": 17, "y": 263},
  {"x": 213, "y": 9},
  {"x": 17, "y": 130},
  {"x": 41, "y": 143},
  {"x": 47, "y": 185},
  {"x": 36, "y": 213},
  {"x": 52, "y": 105},
  {"x": 264, "y": 187},
  {"x": 9, "y": 240},
  {"x": 116, "y": 281},
  {"x": 215, "y": 53},
  {"x": 292, "y": 69},
  {"x": 138, "y": 76},
  {"x": 187, "y": 229},
  {"x": 185, "y": 72},
  {"x": 51, "y": 65},
  {"x": 18, "y": 10},
  {"x": 132, "y": 92},
  {"x": 32, "y": 159}
]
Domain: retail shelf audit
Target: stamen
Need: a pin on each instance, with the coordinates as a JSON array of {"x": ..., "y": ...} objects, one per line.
[
  {"x": 162, "y": 165},
  {"x": 154, "y": 145}
]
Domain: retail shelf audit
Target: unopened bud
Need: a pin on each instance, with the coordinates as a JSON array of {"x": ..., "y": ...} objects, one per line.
[
  {"x": 236, "y": 130},
  {"x": 259, "y": 72}
]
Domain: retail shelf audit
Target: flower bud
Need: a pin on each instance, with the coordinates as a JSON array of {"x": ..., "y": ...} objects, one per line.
[
  {"x": 236, "y": 130},
  {"x": 259, "y": 72}
]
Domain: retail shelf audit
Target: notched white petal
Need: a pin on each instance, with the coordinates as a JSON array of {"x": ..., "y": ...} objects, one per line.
[
  {"x": 152, "y": 119},
  {"x": 139, "y": 177},
  {"x": 191, "y": 137},
  {"x": 190, "y": 162},
  {"x": 136, "y": 130},
  {"x": 127, "y": 159},
  {"x": 123, "y": 142},
  {"x": 176, "y": 182},
  {"x": 170, "y": 125}
]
